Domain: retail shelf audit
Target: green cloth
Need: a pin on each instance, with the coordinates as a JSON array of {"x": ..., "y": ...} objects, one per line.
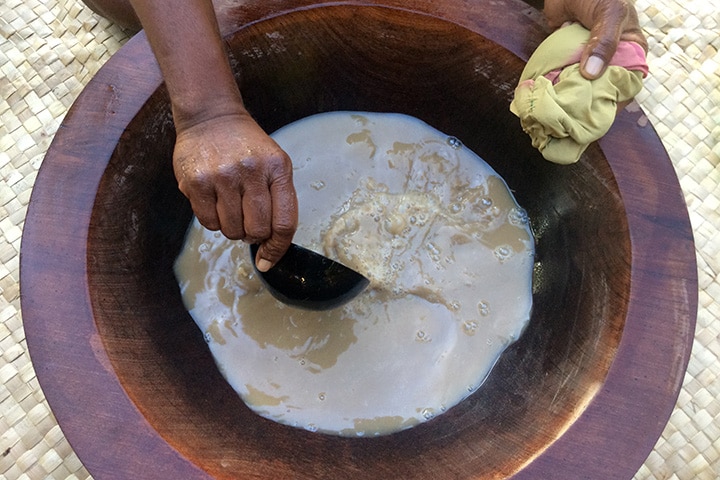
[{"x": 564, "y": 118}]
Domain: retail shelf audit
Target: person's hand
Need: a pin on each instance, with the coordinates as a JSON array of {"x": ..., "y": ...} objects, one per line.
[
  {"x": 609, "y": 21},
  {"x": 239, "y": 181}
]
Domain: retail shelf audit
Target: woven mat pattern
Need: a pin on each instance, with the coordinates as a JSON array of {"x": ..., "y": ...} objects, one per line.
[
  {"x": 682, "y": 99},
  {"x": 49, "y": 49}
]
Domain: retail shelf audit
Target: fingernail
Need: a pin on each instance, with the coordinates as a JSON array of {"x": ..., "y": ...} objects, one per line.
[
  {"x": 263, "y": 265},
  {"x": 594, "y": 65}
]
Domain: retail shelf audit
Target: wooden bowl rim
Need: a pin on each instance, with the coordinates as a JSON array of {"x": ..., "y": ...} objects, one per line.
[{"x": 625, "y": 417}]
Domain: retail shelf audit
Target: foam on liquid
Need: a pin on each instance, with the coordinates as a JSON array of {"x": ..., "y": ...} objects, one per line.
[{"x": 449, "y": 254}]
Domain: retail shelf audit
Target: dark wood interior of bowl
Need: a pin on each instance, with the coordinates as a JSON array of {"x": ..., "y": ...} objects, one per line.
[{"x": 372, "y": 59}]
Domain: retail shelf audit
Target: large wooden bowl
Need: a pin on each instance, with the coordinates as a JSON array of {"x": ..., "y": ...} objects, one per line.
[{"x": 584, "y": 393}]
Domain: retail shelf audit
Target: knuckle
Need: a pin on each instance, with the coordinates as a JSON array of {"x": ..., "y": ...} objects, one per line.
[
  {"x": 257, "y": 233},
  {"x": 210, "y": 223},
  {"x": 624, "y": 7},
  {"x": 194, "y": 180},
  {"x": 250, "y": 163},
  {"x": 273, "y": 250},
  {"x": 284, "y": 229},
  {"x": 233, "y": 233},
  {"x": 605, "y": 47},
  {"x": 279, "y": 164}
]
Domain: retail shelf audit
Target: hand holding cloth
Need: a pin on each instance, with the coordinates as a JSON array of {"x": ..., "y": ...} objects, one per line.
[{"x": 562, "y": 111}]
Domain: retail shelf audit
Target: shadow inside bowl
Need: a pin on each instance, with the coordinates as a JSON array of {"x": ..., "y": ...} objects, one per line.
[{"x": 384, "y": 60}]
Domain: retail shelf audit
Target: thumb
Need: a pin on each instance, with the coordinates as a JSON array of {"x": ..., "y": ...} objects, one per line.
[
  {"x": 284, "y": 224},
  {"x": 608, "y": 22},
  {"x": 269, "y": 253},
  {"x": 271, "y": 250}
]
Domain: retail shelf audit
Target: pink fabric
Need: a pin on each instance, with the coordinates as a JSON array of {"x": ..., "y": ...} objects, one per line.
[{"x": 629, "y": 55}]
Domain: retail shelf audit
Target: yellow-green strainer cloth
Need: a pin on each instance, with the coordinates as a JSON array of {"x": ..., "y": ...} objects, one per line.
[{"x": 565, "y": 116}]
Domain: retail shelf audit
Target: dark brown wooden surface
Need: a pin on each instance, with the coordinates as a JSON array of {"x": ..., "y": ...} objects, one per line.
[{"x": 586, "y": 391}]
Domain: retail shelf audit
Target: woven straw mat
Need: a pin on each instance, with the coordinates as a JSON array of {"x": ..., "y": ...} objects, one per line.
[{"x": 49, "y": 49}]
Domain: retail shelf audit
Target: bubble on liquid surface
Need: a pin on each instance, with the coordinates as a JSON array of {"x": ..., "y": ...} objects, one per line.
[
  {"x": 470, "y": 327},
  {"x": 503, "y": 252},
  {"x": 518, "y": 217},
  {"x": 454, "y": 142},
  {"x": 422, "y": 337},
  {"x": 433, "y": 249}
]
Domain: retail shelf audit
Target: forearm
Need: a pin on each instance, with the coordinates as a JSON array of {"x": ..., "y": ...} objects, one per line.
[{"x": 186, "y": 41}]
